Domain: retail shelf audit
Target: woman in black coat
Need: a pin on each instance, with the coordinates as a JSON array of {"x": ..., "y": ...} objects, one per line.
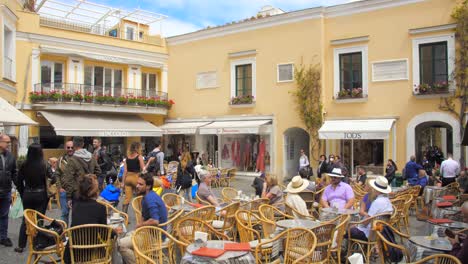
[{"x": 390, "y": 171}]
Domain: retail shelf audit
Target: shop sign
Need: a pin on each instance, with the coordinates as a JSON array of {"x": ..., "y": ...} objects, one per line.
[
  {"x": 229, "y": 131},
  {"x": 352, "y": 136},
  {"x": 114, "y": 134}
]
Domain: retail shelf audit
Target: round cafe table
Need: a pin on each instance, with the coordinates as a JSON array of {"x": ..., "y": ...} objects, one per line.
[
  {"x": 454, "y": 225},
  {"x": 226, "y": 258},
  {"x": 331, "y": 213},
  {"x": 291, "y": 223},
  {"x": 438, "y": 244},
  {"x": 431, "y": 192}
]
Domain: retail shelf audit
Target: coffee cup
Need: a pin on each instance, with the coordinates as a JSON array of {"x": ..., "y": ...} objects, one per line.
[{"x": 115, "y": 216}]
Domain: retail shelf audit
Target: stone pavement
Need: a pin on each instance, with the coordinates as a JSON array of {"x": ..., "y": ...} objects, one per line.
[{"x": 7, "y": 255}]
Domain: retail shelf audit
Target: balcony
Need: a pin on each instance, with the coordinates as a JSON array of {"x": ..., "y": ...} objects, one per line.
[
  {"x": 8, "y": 68},
  {"x": 81, "y": 97}
]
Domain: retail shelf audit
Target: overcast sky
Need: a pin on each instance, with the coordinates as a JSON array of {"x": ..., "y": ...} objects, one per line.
[{"x": 191, "y": 15}]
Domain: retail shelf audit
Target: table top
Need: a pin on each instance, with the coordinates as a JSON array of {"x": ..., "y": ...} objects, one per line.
[
  {"x": 455, "y": 224},
  {"x": 440, "y": 244},
  {"x": 186, "y": 207},
  {"x": 219, "y": 244},
  {"x": 291, "y": 223},
  {"x": 340, "y": 211}
]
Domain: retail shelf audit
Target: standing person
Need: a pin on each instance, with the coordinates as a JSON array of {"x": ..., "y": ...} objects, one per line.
[
  {"x": 103, "y": 160},
  {"x": 258, "y": 184},
  {"x": 133, "y": 165},
  {"x": 427, "y": 165},
  {"x": 322, "y": 166},
  {"x": 390, "y": 171},
  {"x": 32, "y": 186},
  {"x": 449, "y": 169},
  {"x": 81, "y": 163},
  {"x": 411, "y": 171},
  {"x": 62, "y": 162},
  {"x": 185, "y": 174},
  {"x": 337, "y": 194},
  {"x": 155, "y": 163},
  {"x": 303, "y": 161},
  {"x": 8, "y": 173}
]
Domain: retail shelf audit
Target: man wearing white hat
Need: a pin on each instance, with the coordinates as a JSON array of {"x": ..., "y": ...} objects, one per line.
[
  {"x": 297, "y": 185},
  {"x": 381, "y": 204},
  {"x": 337, "y": 194}
]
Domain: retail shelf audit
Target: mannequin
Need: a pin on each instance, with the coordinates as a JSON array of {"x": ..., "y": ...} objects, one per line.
[
  {"x": 261, "y": 155},
  {"x": 247, "y": 155}
]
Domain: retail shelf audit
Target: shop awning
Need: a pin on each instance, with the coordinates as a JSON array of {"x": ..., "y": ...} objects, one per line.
[
  {"x": 10, "y": 116},
  {"x": 100, "y": 125},
  {"x": 237, "y": 127},
  {"x": 182, "y": 128},
  {"x": 356, "y": 129}
]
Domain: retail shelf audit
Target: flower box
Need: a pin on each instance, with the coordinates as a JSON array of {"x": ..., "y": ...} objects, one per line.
[
  {"x": 436, "y": 88},
  {"x": 350, "y": 94},
  {"x": 239, "y": 100}
]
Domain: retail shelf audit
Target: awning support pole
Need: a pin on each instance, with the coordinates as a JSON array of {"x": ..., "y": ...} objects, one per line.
[{"x": 352, "y": 158}]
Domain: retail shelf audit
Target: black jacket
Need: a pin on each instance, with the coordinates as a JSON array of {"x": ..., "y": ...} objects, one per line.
[
  {"x": 322, "y": 168},
  {"x": 7, "y": 174}
]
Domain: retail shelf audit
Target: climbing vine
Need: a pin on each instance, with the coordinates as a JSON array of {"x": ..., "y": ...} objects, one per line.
[
  {"x": 460, "y": 73},
  {"x": 308, "y": 102}
]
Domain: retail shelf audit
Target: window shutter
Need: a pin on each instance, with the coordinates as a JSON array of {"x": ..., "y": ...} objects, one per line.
[
  {"x": 390, "y": 70},
  {"x": 285, "y": 72}
]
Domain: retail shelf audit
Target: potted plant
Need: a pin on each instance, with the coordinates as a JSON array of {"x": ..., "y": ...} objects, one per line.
[
  {"x": 141, "y": 101},
  {"x": 243, "y": 99},
  {"x": 440, "y": 87},
  {"x": 66, "y": 96},
  {"x": 88, "y": 97},
  {"x": 356, "y": 92},
  {"x": 53, "y": 96},
  {"x": 36, "y": 96},
  {"x": 131, "y": 100},
  {"x": 77, "y": 97},
  {"x": 151, "y": 101},
  {"x": 122, "y": 100},
  {"x": 422, "y": 88},
  {"x": 343, "y": 93}
]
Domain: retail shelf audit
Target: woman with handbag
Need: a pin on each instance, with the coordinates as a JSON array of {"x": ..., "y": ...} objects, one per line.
[
  {"x": 32, "y": 186},
  {"x": 185, "y": 175},
  {"x": 133, "y": 165}
]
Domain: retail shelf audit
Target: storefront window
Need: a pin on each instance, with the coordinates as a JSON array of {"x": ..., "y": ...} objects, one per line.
[
  {"x": 366, "y": 153},
  {"x": 48, "y": 138},
  {"x": 245, "y": 152}
]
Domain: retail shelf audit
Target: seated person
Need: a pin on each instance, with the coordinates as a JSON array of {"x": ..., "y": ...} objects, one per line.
[
  {"x": 366, "y": 202},
  {"x": 272, "y": 191},
  {"x": 153, "y": 212},
  {"x": 381, "y": 204},
  {"x": 460, "y": 241},
  {"x": 204, "y": 190},
  {"x": 258, "y": 184},
  {"x": 361, "y": 177},
  {"x": 337, "y": 194},
  {"x": 422, "y": 180},
  {"x": 293, "y": 199}
]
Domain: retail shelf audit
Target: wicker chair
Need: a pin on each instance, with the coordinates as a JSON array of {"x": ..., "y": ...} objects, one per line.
[
  {"x": 111, "y": 209},
  {"x": 185, "y": 230},
  {"x": 254, "y": 205},
  {"x": 383, "y": 244},
  {"x": 227, "y": 220},
  {"x": 231, "y": 175},
  {"x": 136, "y": 205},
  {"x": 365, "y": 247},
  {"x": 417, "y": 202},
  {"x": 340, "y": 230},
  {"x": 215, "y": 182},
  {"x": 228, "y": 194},
  {"x": 171, "y": 199},
  {"x": 223, "y": 178},
  {"x": 91, "y": 243},
  {"x": 452, "y": 189},
  {"x": 299, "y": 245},
  {"x": 149, "y": 246},
  {"x": 399, "y": 211},
  {"x": 272, "y": 213},
  {"x": 292, "y": 211},
  {"x": 171, "y": 221},
  {"x": 32, "y": 218},
  {"x": 439, "y": 259},
  {"x": 206, "y": 213},
  {"x": 324, "y": 234},
  {"x": 201, "y": 201}
]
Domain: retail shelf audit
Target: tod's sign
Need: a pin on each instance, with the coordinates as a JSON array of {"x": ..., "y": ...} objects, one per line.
[{"x": 352, "y": 136}]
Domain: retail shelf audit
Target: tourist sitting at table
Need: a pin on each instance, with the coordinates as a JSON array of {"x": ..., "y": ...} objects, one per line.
[
  {"x": 422, "y": 180},
  {"x": 381, "y": 204},
  {"x": 337, "y": 194},
  {"x": 204, "y": 190},
  {"x": 272, "y": 191},
  {"x": 293, "y": 199},
  {"x": 153, "y": 212},
  {"x": 366, "y": 202},
  {"x": 361, "y": 177},
  {"x": 460, "y": 242},
  {"x": 258, "y": 184}
]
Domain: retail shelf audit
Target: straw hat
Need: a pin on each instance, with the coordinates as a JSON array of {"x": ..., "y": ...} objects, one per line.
[
  {"x": 297, "y": 185},
  {"x": 380, "y": 184},
  {"x": 336, "y": 172}
]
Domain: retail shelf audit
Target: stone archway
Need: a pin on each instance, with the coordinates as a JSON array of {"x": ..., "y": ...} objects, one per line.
[
  {"x": 431, "y": 118},
  {"x": 295, "y": 138}
]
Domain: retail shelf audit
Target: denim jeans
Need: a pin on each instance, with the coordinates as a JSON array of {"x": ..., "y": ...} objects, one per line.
[
  {"x": 5, "y": 200},
  {"x": 64, "y": 206}
]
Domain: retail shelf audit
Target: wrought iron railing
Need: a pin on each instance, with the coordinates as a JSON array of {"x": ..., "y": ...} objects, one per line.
[
  {"x": 83, "y": 93},
  {"x": 7, "y": 68}
]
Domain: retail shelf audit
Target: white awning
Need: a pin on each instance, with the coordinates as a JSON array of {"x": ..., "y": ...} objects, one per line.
[
  {"x": 10, "y": 116},
  {"x": 356, "y": 129},
  {"x": 100, "y": 125},
  {"x": 237, "y": 127},
  {"x": 182, "y": 128}
]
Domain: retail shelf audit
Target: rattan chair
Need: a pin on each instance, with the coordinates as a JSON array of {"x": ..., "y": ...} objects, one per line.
[
  {"x": 201, "y": 201},
  {"x": 383, "y": 244},
  {"x": 365, "y": 247},
  {"x": 32, "y": 219},
  {"x": 255, "y": 204},
  {"x": 171, "y": 199},
  {"x": 439, "y": 259},
  {"x": 136, "y": 205},
  {"x": 149, "y": 246},
  {"x": 228, "y": 194},
  {"x": 185, "y": 231},
  {"x": 55, "y": 198},
  {"x": 91, "y": 243},
  {"x": 340, "y": 230},
  {"x": 399, "y": 211},
  {"x": 417, "y": 202},
  {"x": 111, "y": 209},
  {"x": 206, "y": 213},
  {"x": 299, "y": 245},
  {"x": 227, "y": 220},
  {"x": 231, "y": 175},
  {"x": 324, "y": 234},
  {"x": 223, "y": 178},
  {"x": 290, "y": 210},
  {"x": 171, "y": 172},
  {"x": 171, "y": 221},
  {"x": 452, "y": 189},
  {"x": 272, "y": 213},
  {"x": 214, "y": 177}
]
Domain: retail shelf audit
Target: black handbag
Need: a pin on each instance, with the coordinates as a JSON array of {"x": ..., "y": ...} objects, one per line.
[{"x": 42, "y": 239}]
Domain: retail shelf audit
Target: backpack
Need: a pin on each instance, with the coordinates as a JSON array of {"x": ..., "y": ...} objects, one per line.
[
  {"x": 111, "y": 193},
  {"x": 154, "y": 166},
  {"x": 391, "y": 253}
]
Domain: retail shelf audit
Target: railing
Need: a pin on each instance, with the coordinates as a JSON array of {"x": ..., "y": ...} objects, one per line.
[
  {"x": 99, "y": 30},
  {"x": 7, "y": 68},
  {"x": 83, "y": 93}
]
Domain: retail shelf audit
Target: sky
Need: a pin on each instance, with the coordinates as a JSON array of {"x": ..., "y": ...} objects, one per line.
[{"x": 186, "y": 16}]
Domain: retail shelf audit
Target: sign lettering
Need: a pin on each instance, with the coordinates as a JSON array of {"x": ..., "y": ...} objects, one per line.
[
  {"x": 114, "y": 134},
  {"x": 352, "y": 135}
]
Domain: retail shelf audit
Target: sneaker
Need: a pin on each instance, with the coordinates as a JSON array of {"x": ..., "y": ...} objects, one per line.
[
  {"x": 19, "y": 250},
  {"x": 6, "y": 242}
]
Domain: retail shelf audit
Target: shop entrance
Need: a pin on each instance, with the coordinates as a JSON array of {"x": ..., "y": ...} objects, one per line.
[
  {"x": 433, "y": 139},
  {"x": 295, "y": 139},
  {"x": 363, "y": 153}
]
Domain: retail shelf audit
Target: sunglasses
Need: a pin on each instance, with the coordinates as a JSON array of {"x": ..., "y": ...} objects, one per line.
[{"x": 69, "y": 147}]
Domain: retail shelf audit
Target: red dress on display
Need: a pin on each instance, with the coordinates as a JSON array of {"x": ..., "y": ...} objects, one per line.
[
  {"x": 246, "y": 159},
  {"x": 261, "y": 156},
  {"x": 238, "y": 155}
]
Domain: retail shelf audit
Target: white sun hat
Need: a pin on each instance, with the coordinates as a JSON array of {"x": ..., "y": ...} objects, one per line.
[
  {"x": 336, "y": 172},
  {"x": 297, "y": 185},
  {"x": 380, "y": 184}
]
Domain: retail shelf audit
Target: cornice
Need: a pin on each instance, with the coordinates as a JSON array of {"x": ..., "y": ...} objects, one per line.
[
  {"x": 9, "y": 13},
  {"x": 438, "y": 28},
  {"x": 84, "y": 45},
  {"x": 7, "y": 87},
  {"x": 349, "y": 40},
  {"x": 365, "y": 6}
]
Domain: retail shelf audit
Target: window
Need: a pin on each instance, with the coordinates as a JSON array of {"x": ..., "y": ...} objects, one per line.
[
  {"x": 129, "y": 32},
  {"x": 148, "y": 83},
  {"x": 113, "y": 33},
  {"x": 8, "y": 24},
  {"x": 51, "y": 74},
  {"x": 244, "y": 80},
  {"x": 102, "y": 80},
  {"x": 350, "y": 71},
  {"x": 140, "y": 35},
  {"x": 285, "y": 72},
  {"x": 433, "y": 63},
  {"x": 48, "y": 138}
]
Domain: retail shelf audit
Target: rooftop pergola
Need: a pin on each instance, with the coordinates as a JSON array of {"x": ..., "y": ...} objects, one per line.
[{"x": 92, "y": 14}]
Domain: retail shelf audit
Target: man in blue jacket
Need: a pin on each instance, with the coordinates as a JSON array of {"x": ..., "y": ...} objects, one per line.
[{"x": 411, "y": 171}]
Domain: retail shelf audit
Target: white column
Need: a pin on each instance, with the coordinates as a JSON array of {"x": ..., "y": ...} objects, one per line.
[
  {"x": 164, "y": 79},
  {"x": 75, "y": 70},
  {"x": 23, "y": 140},
  {"x": 394, "y": 148},
  {"x": 35, "y": 67},
  {"x": 134, "y": 77},
  {"x": 443, "y": 140}
]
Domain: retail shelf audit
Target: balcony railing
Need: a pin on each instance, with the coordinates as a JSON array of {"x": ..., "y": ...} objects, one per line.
[
  {"x": 7, "y": 68},
  {"x": 82, "y": 93},
  {"x": 99, "y": 30}
]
